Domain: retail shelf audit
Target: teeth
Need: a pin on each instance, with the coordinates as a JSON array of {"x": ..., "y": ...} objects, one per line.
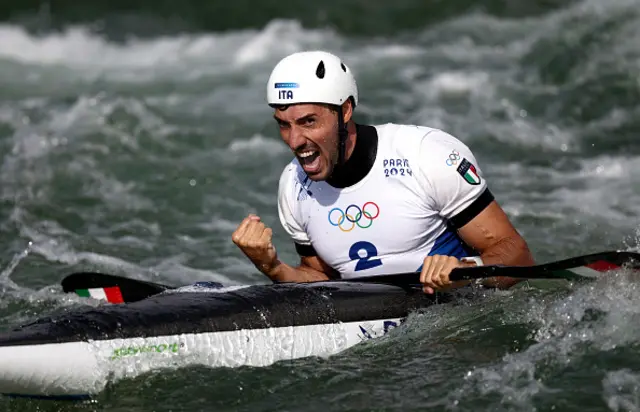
[{"x": 306, "y": 154}]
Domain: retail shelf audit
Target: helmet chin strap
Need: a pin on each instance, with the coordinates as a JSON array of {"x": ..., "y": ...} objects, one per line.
[{"x": 342, "y": 138}]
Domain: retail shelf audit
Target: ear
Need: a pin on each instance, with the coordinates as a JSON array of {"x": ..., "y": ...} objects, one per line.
[{"x": 347, "y": 110}]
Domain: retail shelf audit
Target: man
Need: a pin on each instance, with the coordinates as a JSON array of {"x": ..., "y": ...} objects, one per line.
[{"x": 362, "y": 200}]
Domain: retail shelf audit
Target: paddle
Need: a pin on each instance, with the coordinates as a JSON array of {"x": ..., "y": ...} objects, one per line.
[
  {"x": 577, "y": 268},
  {"x": 118, "y": 289}
]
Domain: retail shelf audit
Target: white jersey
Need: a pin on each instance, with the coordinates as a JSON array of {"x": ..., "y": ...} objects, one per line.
[{"x": 400, "y": 212}]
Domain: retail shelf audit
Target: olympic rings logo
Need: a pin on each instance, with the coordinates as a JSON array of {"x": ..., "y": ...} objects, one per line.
[
  {"x": 354, "y": 215},
  {"x": 454, "y": 156}
]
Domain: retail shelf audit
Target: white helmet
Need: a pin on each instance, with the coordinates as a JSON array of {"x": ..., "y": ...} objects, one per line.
[{"x": 311, "y": 77}]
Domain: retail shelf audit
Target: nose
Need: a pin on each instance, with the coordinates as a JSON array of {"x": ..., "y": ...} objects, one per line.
[{"x": 296, "y": 138}]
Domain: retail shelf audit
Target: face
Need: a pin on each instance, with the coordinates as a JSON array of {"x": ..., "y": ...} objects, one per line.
[{"x": 311, "y": 132}]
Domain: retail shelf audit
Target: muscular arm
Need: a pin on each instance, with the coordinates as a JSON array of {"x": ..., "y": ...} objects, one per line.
[
  {"x": 310, "y": 269},
  {"x": 498, "y": 242},
  {"x": 455, "y": 186}
]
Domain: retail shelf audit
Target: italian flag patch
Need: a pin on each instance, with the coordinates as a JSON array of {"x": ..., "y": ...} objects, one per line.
[
  {"x": 111, "y": 294},
  {"x": 469, "y": 172}
]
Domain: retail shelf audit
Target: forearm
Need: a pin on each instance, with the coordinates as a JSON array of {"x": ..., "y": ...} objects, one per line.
[
  {"x": 282, "y": 272},
  {"x": 506, "y": 252}
]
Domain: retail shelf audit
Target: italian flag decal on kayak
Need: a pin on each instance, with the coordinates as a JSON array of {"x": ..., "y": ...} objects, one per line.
[
  {"x": 469, "y": 172},
  {"x": 111, "y": 294}
]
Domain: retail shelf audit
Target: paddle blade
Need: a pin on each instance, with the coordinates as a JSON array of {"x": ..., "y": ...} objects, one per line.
[
  {"x": 576, "y": 268},
  {"x": 112, "y": 288}
]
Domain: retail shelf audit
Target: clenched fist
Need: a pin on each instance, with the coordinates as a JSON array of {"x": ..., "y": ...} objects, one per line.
[{"x": 254, "y": 239}]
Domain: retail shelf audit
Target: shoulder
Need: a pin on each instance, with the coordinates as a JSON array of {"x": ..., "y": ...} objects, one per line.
[
  {"x": 426, "y": 147},
  {"x": 443, "y": 157},
  {"x": 437, "y": 144},
  {"x": 419, "y": 140},
  {"x": 401, "y": 134},
  {"x": 444, "y": 167}
]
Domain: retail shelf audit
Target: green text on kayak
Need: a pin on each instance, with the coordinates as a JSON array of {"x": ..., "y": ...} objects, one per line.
[{"x": 134, "y": 350}]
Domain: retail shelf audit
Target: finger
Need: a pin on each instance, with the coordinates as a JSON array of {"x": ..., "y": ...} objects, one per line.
[
  {"x": 430, "y": 272},
  {"x": 266, "y": 237},
  {"x": 254, "y": 232},
  {"x": 438, "y": 267},
  {"x": 433, "y": 276},
  {"x": 259, "y": 237},
  {"x": 443, "y": 271},
  {"x": 428, "y": 290},
  {"x": 448, "y": 265},
  {"x": 425, "y": 269},
  {"x": 451, "y": 264},
  {"x": 241, "y": 230}
]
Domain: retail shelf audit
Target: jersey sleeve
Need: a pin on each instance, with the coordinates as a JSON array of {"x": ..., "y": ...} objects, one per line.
[
  {"x": 289, "y": 218},
  {"x": 452, "y": 177}
]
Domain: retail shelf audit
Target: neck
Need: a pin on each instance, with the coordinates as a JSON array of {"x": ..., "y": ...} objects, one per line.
[
  {"x": 360, "y": 154},
  {"x": 352, "y": 136}
]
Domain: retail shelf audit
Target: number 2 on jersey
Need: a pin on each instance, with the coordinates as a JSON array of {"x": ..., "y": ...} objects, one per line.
[{"x": 369, "y": 260}]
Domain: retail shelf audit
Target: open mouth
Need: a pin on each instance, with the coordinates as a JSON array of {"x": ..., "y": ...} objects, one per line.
[{"x": 309, "y": 160}]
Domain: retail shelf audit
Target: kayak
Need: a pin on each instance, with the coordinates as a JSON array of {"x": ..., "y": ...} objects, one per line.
[{"x": 75, "y": 355}]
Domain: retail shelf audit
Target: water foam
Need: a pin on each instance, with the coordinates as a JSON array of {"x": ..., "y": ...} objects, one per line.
[
  {"x": 598, "y": 317},
  {"x": 79, "y": 48},
  {"x": 259, "y": 144}
]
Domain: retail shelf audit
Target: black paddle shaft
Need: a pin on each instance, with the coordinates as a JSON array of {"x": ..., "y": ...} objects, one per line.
[{"x": 552, "y": 270}]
